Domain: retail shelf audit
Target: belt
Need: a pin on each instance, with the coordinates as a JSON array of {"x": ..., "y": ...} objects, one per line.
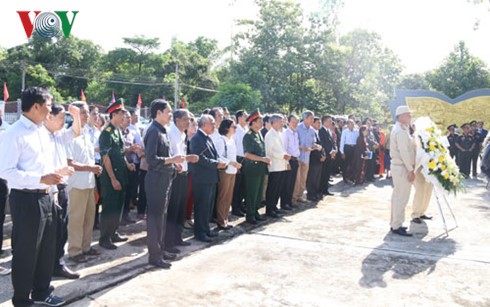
[
  {"x": 61, "y": 186},
  {"x": 350, "y": 145},
  {"x": 294, "y": 159},
  {"x": 182, "y": 173},
  {"x": 33, "y": 191}
]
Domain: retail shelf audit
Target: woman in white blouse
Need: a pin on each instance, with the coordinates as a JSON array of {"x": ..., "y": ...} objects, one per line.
[{"x": 226, "y": 148}]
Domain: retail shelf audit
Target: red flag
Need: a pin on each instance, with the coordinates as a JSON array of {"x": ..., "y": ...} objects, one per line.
[
  {"x": 82, "y": 96},
  {"x": 5, "y": 92},
  {"x": 139, "y": 101},
  {"x": 113, "y": 98},
  {"x": 183, "y": 103}
]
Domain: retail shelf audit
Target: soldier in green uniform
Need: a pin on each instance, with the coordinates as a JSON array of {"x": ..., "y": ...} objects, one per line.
[
  {"x": 114, "y": 177},
  {"x": 255, "y": 167},
  {"x": 465, "y": 145}
]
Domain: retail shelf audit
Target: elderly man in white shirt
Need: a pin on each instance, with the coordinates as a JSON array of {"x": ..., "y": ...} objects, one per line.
[
  {"x": 59, "y": 139},
  {"x": 81, "y": 209},
  {"x": 237, "y": 203},
  {"x": 276, "y": 152},
  {"x": 3, "y": 195},
  {"x": 178, "y": 194}
]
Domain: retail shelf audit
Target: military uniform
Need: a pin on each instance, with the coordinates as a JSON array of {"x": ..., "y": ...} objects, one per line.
[
  {"x": 453, "y": 150},
  {"x": 254, "y": 173},
  {"x": 463, "y": 159},
  {"x": 111, "y": 143},
  {"x": 475, "y": 154}
]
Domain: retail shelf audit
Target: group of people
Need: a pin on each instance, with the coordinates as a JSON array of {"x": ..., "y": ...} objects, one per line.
[
  {"x": 466, "y": 146},
  {"x": 64, "y": 182}
]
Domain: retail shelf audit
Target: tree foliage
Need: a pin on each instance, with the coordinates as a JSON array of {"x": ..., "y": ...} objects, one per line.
[
  {"x": 284, "y": 60},
  {"x": 460, "y": 73}
]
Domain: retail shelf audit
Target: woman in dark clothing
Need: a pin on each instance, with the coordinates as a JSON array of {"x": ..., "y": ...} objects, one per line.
[{"x": 359, "y": 156}]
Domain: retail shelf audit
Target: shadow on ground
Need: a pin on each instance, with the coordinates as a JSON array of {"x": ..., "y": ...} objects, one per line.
[{"x": 422, "y": 257}]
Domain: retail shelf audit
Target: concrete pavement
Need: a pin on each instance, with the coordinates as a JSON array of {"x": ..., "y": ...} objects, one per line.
[{"x": 338, "y": 252}]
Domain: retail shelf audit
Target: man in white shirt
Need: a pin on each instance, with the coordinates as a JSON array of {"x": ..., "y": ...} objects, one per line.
[
  {"x": 291, "y": 145},
  {"x": 81, "y": 211},
  {"x": 59, "y": 139},
  {"x": 94, "y": 134},
  {"x": 348, "y": 142},
  {"x": 275, "y": 151},
  {"x": 25, "y": 165},
  {"x": 178, "y": 194},
  {"x": 238, "y": 202},
  {"x": 3, "y": 195}
]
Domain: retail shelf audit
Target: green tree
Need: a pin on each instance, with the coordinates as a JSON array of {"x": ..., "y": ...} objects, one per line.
[
  {"x": 143, "y": 46},
  {"x": 413, "y": 82},
  {"x": 236, "y": 96},
  {"x": 461, "y": 72}
]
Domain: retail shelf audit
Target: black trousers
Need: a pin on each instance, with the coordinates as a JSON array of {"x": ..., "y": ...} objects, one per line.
[
  {"x": 238, "y": 202},
  {"x": 158, "y": 189},
  {"x": 99, "y": 191},
  {"x": 464, "y": 162},
  {"x": 34, "y": 243},
  {"x": 289, "y": 182},
  {"x": 3, "y": 203},
  {"x": 141, "y": 193},
  {"x": 61, "y": 228},
  {"x": 348, "y": 163},
  {"x": 273, "y": 192},
  {"x": 204, "y": 199},
  {"x": 132, "y": 189},
  {"x": 313, "y": 180},
  {"x": 325, "y": 176},
  {"x": 371, "y": 168},
  {"x": 176, "y": 210}
]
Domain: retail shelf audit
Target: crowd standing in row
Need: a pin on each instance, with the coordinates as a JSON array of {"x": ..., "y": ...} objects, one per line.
[{"x": 176, "y": 168}]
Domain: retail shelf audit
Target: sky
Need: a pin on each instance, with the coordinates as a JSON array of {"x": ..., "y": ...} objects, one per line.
[{"x": 420, "y": 32}]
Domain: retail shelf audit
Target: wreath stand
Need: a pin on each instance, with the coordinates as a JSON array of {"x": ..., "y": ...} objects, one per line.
[{"x": 438, "y": 199}]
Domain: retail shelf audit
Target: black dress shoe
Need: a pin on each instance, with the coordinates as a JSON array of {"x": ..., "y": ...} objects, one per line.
[
  {"x": 328, "y": 194},
  {"x": 402, "y": 232},
  {"x": 425, "y": 217},
  {"x": 237, "y": 213},
  {"x": 172, "y": 250},
  {"x": 183, "y": 243},
  {"x": 65, "y": 272},
  {"x": 400, "y": 227},
  {"x": 273, "y": 215},
  {"x": 205, "y": 239},
  {"x": 107, "y": 245},
  {"x": 161, "y": 264},
  {"x": 259, "y": 217},
  {"x": 117, "y": 238},
  {"x": 287, "y": 207},
  {"x": 212, "y": 234},
  {"x": 417, "y": 220},
  {"x": 251, "y": 221},
  {"x": 227, "y": 227},
  {"x": 168, "y": 256}
]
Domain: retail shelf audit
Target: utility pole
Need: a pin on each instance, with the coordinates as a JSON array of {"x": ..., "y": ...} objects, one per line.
[
  {"x": 23, "y": 70},
  {"x": 23, "y": 86},
  {"x": 176, "y": 93}
]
